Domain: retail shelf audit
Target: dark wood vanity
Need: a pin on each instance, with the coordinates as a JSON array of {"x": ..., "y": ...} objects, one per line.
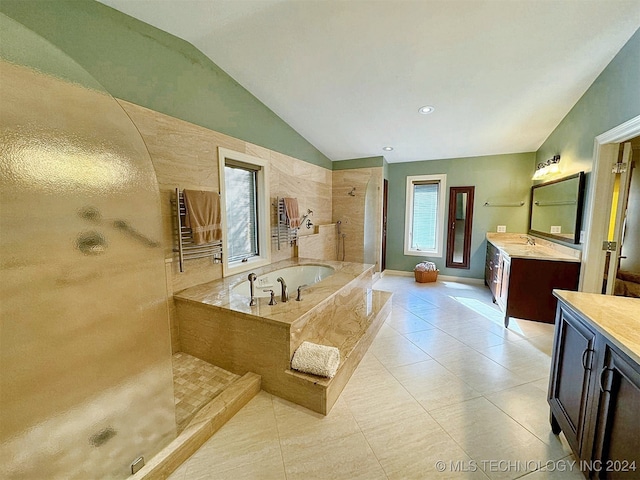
[
  {"x": 594, "y": 388},
  {"x": 522, "y": 277}
]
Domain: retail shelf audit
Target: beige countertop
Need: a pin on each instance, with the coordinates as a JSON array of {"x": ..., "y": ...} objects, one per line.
[
  {"x": 219, "y": 293},
  {"x": 617, "y": 318},
  {"x": 515, "y": 246}
]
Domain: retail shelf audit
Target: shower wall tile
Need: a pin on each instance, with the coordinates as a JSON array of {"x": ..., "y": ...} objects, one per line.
[
  {"x": 185, "y": 155},
  {"x": 363, "y": 239}
]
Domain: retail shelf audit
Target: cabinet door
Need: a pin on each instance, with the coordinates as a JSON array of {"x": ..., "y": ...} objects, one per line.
[
  {"x": 616, "y": 446},
  {"x": 503, "y": 293},
  {"x": 571, "y": 379}
]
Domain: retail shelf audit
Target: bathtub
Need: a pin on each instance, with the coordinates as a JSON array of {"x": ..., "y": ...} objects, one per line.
[
  {"x": 339, "y": 308},
  {"x": 293, "y": 277}
]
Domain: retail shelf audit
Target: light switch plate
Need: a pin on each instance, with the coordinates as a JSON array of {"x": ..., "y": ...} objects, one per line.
[
  {"x": 502, "y": 228},
  {"x": 556, "y": 229},
  {"x": 581, "y": 236}
]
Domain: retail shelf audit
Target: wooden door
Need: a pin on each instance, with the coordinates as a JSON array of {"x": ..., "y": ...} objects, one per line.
[{"x": 385, "y": 196}]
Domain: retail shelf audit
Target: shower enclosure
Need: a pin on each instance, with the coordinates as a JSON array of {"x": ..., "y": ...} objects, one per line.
[{"x": 85, "y": 374}]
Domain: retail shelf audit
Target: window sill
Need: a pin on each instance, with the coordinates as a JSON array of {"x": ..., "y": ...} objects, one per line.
[{"x": 240, "y": 266}]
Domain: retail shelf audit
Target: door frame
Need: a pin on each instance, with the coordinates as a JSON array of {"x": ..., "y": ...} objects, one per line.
[{"x": 605, "y": 154}]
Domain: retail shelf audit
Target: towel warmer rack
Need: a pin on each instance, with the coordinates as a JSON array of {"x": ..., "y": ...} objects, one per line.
[
  {"x": 186, "y": 249},
  {"x": 282, "y": 232}
]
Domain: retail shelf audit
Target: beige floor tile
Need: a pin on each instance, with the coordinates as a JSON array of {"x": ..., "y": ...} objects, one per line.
[
  {"x": 494, "y": 439},
  {"x": 564, "y": 469},
  {"x": 436, "y": 343},
  {"x": 432, "y": 385},
  {"x": 410, "y": 449},
  {"x": 376, "y": 406},
  {"x": 528, "y": 406},
  {"x": 345, "y": 458},
  {"x": 394, "y": 351},
  {"x": 270, "y": 468},
  {"x": 251, "y": 436},
  {"x": 480, "y": 372},
  {"x": 404, "y": 322},
  {"x": 299, "y": 427},
  {"x": 386, "y": 331}
]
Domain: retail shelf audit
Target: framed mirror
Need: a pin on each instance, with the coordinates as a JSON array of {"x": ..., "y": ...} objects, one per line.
[
  {"x": 459, "y": 227},
  {"x": 555, "y": 209}
]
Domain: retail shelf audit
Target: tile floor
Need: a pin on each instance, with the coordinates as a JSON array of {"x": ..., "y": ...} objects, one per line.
[
  {"x": 442, "y": 382},
  {"x": 195, "y": 383}
]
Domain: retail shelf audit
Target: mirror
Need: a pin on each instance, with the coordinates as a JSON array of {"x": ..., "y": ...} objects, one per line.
[
  {"x": 555, "y": 209},
  {"x": 460, "y": 220}
]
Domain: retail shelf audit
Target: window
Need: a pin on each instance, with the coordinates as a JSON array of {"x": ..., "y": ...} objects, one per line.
[
  {"x": 245, "y": 212},
  {"x": 424, "y": 219}
]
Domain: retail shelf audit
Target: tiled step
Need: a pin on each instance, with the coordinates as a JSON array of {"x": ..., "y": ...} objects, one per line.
[
  {"x": 203, "y": 425},
  {"x": 320, "y": 394}
]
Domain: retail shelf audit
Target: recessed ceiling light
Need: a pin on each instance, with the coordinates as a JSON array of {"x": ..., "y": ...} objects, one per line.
[
  {"x": 427, "y": 109},
  {"x": 387, "y": 149}
]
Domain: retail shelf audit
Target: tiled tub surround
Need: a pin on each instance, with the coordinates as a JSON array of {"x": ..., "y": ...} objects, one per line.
[{"x": 341, "y": 311}]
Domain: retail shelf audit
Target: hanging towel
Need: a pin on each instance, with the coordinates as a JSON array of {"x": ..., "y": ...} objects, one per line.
[
  {"x": 316, "y": 359},
  {"x": 291, "y": 209},
  {"x": 203, "y": 216}
]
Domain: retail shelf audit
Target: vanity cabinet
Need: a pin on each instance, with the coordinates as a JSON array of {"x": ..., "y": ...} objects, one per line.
[
  {"x": 594, "y": 393},
  {"x": 571, "y": 378},
  {"x": 522, "y": 286}
]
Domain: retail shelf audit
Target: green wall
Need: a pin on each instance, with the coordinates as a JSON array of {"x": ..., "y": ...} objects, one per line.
[
  {"x": 612, "y": 99},
  {"x": 497, "y": 179},
  {"x": 147, "y": 66},
  {"x": 366, "y": 162}
]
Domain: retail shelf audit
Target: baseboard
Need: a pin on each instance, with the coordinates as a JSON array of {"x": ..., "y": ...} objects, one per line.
[{"x": 447, "y": 278}]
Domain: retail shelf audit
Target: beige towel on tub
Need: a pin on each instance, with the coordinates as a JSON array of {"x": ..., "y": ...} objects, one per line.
[
  {"x": 291, "y": 209},
  {"x": 203, "y": 216},
  {"x": 316, "y": 359}
]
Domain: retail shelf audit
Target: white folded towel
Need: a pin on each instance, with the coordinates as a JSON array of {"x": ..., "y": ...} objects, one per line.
[{"x": 317, "y": 359}]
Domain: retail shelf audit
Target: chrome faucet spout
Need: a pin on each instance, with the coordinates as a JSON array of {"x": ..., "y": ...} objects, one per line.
[
  {"x": 299, "y": 297},
  {"x": 252, "y": 278},
  {"x": 530, "y": 240},
  {"x": 284, "y": 296}
]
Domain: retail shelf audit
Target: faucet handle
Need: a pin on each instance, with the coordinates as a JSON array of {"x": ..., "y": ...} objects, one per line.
[
  {"x": 299, "y": 297},
  {"x": 273, "y": 297}
]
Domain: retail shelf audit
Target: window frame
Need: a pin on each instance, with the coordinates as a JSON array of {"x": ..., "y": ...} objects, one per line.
[
  {"x": 412, "y": 180},
  {"x": 262, "y": 212}
]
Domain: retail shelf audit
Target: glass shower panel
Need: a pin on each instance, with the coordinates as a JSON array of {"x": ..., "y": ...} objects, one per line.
[
  {"x": 371, "y": 222},
  {"x": 85, "y": 374}
]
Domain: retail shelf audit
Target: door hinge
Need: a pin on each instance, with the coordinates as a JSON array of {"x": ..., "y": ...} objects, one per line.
[
  {"x": 609, "y": 246},
  {"x": 619, "y": 167}
]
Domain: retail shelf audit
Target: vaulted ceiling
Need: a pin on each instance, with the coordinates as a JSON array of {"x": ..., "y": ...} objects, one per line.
[{"x": 350, "y": 75}]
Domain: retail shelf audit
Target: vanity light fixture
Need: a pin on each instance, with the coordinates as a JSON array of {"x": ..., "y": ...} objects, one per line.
[
  {"x": 547, "y": 168},
  {"x": 426, "y": 110},
  {"x": 387, "y": 149}
]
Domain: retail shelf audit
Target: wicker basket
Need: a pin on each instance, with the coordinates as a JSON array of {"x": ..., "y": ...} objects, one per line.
[{"x": 426, "y": 277}]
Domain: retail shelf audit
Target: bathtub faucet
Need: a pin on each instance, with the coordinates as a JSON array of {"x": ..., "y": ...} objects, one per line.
[
  {"x": 252, "y": 278},
  {"x": 299, "y": 297},
  {"x": 284, "y": 297}
]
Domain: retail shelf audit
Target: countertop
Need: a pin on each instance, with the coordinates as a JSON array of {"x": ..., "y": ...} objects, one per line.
[
  {"x": 617, "y": 318},
  {"x": 515, "y": 246}
]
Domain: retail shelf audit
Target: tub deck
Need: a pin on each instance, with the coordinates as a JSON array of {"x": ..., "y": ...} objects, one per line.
[{"x": 341, "y": 311}]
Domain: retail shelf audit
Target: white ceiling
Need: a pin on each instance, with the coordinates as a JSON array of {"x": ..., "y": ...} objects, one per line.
[{"x": 350, "y": 75}]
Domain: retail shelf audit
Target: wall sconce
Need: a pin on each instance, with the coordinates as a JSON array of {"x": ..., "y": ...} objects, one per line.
[{"x": 547, "y": 168}]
